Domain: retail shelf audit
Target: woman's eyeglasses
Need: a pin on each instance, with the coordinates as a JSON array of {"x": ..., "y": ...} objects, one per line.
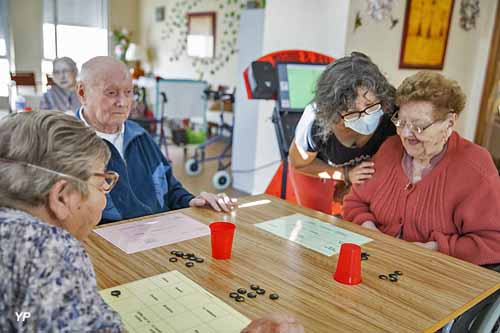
[
  {"x": 110, "y": 180},
  {"x": 419, "y": 129},
  {"x": 355, "y": 115},
  {"x": 110, "y": 177}
]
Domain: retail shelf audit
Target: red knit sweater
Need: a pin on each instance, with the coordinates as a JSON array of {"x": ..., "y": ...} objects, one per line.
[{"x": 457, "y": 204}]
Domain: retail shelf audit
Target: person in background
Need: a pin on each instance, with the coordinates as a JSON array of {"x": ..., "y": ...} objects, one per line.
[
  {"x": 54, "y": 185},
  {"x": 432, "y": 187},
  {"x": 147, "y": 185},
  {"x": 62, "y": 95},
  {"x": 346, "y": 124}
]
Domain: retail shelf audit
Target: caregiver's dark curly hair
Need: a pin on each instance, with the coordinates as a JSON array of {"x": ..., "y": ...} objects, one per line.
[{"x": 337, "y": 89}]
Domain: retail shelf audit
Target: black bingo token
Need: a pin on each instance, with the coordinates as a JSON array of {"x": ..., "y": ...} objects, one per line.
[
  {"x": 242, "y": 291},
  {"x": 251, "y": 295},
  {"x": 190, "y": 254},
  {"x": 254, "y": 286},
  {"x": 393, "y": 275},
  {"x": 233, "y": 295},
  {"x": 199, "y": 260},
  {"x": 274, "y": 296},
  {"x": 398, "y": 273},
  {"x": 115, "y": 293},
  {"x": 383, "y": 277},
  {"x": 192, "y": 258},
  {"x": 173, "y": 259},
  {"x": 393, "y": 279},
  {"x": 185, "y": 256},
  {"x": 189, "y": 264},
  {"x": 179, "y": 254},
  {"x": 260, "y": 291},
  {"x": 173, "y": 252},
  {"x": 240, "y": 299}
]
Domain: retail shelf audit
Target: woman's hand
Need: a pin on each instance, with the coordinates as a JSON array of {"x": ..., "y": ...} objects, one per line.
[
  {"x": 432, "y": 245},
  {"x": 361, "y": 173},
  {"x": 219, "y": 202},
  {"x": 370, "y": 225},
  {"x": 276, "y": 323}
]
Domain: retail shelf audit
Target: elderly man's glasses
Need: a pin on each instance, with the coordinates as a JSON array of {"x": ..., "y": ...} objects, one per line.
[
  {"x": 355, "y": 115},
  {"x": 110, "y": 177},
  {"x": 419, "y": 129}
]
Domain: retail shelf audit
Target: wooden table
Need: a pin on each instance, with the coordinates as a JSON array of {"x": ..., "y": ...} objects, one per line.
[{"x": 434, "y": 289}]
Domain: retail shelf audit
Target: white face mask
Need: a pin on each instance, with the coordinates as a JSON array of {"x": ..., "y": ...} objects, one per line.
[{"x": 365, "y": 125}]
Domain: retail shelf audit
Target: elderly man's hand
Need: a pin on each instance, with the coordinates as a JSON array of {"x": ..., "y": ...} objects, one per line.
[
  {"x": 277, "y": 323},
  {"x": 219, "y": 202}
]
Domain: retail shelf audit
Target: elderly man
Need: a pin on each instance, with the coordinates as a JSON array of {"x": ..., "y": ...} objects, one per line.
[{"x": 147, "y": 185}]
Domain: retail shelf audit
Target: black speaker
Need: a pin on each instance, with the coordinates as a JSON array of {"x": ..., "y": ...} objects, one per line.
[{"x": 263, "y": 80}]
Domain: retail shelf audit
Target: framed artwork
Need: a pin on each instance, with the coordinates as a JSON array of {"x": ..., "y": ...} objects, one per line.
[
  {"x": 425, "y": 34},
  {"x": 160, "y": 14}
]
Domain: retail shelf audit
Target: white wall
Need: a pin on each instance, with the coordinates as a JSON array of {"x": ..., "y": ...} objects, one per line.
[
  {"x": 318, "y": 25},
  {"x": 250, "y": 44},
  {"x": 151, "y": 37},
  {"x": 125, "y": 14},
  {"x": 465, "y": 59}
]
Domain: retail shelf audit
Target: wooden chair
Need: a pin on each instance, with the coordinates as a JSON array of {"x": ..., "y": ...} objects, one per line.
[{"x": 24, "y": 79}]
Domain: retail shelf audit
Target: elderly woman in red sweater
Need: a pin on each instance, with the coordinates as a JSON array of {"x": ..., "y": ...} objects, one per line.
[{"x": 431, "y": 186}]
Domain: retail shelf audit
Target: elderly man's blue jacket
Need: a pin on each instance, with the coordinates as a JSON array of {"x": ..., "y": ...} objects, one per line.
[{"x": 146, "y": 185}]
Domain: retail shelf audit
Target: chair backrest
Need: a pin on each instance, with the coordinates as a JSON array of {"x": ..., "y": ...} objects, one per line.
[
  {"x": 50, "y": 80},
  {"x": 312, "y": 192},
  {"x": 23, "y": 78}
]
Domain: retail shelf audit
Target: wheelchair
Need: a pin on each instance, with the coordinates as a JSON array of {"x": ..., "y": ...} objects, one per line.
[{"x": 484, "y": 317}]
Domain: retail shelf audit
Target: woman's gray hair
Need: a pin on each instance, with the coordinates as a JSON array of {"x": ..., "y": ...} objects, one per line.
[
  {"x": 51, "y": 140},
  {"x": 68, "y": 61},
  {"x": 337, "y": 89}
]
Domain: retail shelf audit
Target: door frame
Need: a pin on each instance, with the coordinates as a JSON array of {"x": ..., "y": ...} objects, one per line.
[{"x": 492, "y": 73}]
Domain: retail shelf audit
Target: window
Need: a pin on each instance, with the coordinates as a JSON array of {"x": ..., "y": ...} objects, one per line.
[
  {"x": 75, "y": 29},
  {"x": 201, "y": 35},
  {"x": 4, "y": 50}
]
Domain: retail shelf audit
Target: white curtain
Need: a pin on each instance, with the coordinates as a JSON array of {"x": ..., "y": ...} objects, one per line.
[{"x": 83, "y": 13}]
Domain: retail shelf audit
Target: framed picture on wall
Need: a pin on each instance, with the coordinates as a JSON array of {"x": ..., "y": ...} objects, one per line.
[
  {"x": 201, "y": 34},
  {"x": 160, "y": 14},
  {"x": 425, "y": 33}
]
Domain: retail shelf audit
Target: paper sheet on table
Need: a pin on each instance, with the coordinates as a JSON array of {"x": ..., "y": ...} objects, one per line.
[
  {"x": 314, "y": 234},
  {"x": 171, "y": 302},
  {"x": 158, "y": 231}
]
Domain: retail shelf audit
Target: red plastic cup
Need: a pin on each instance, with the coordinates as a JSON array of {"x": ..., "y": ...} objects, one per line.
[
  {"x": 349, "y": 264},
  {"x": 222, "y": 234}
]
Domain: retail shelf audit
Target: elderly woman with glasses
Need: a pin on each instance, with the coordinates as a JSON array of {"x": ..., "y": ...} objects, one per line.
[
  {"x": 62, "y": 94},
  {"x": 347, "y": 122},
  {"x": 432, "y": 187},
  {"x": 53, "y": 190}
]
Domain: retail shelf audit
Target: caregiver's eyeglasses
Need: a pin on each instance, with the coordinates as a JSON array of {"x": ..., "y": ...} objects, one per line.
[{"x": 355, "y": 115}]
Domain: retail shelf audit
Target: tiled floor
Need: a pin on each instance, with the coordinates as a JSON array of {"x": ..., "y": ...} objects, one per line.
[{"x": 203, "y": 181}]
